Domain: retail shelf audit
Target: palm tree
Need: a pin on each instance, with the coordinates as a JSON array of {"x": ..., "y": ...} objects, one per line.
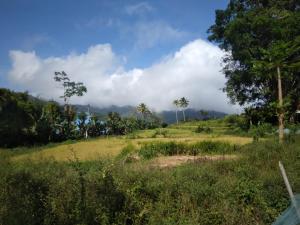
[
  {"x": 143, "y": 109},
  {"x": 183, "y": 102},
  {"x": 176, "y": 103}
]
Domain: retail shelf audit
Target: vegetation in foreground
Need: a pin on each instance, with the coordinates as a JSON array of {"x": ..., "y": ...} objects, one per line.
[{"x": 248, "y": 190}]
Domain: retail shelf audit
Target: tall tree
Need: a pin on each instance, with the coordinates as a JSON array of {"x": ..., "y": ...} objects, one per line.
[
  {"x": 279, "y": 59},
  {"x": 114, "y": 123},
  {"x": 70, "y": 88},
  {"x": 49, "y": 124},
  {"x": 19, "y": 115},
  {"x": 183, "y": 102},
  {"x": 143, "y": 109},
  {"x": 82, "y": 123},
  {"x": 176, "y": 103},
  {"x": 243, "y": 29}
]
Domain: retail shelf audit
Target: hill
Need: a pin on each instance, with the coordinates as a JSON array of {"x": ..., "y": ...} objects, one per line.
[{"x": 168, "y": 116}]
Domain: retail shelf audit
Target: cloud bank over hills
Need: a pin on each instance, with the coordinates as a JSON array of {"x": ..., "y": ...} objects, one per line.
[{"x": 194, "y": 71}]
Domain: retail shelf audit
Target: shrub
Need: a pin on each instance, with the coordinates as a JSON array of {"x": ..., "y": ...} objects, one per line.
[
  {"x": 161, "y": 132},
  {"x": 164, "y": 125},
  {"x": 261, "y": 131},
  {"x": 201, "y": 129},
  {"x": 127, "y": 154},
  {"x": 154, "y": 149},
  {"x": 24, "y": 197},
  {"x": 132, "y": 135}
]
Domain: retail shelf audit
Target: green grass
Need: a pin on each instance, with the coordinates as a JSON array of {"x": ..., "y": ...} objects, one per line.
[
  {"x": 103, "y": 147},
  {"x": 98, "y": 181},
  {"x": 93, "y": 149},
  {"x": 248, "y": 190}
]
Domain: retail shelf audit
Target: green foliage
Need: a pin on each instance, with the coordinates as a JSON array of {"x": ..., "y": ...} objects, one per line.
[
  {"x": 71, "y": 88},
  {"x": 25, "y": 120},
  {"x": 261, "y": 130},
  {"x": 239, "y": 121},
  {"x": 164, "y": 125},
  {"x": 154, "y": 149},
  {"x": 127, "y": 154},
  {"x": 18, "y": 115},
  {"x": 249, "y": 190},
  {"x": 260, "y": 35},
  {"x": 293, "y": 132},
  {"x": 201, "y": 129},
  {"x": 160, "y": 132}
]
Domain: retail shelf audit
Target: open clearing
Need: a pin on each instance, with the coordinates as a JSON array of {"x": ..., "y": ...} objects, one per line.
[
  {"x": 176, "y": 160},
  {"x": 94, "y": 149}
]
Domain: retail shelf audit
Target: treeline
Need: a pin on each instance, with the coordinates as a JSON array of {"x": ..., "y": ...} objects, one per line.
[{"x": 25, "y": 120}]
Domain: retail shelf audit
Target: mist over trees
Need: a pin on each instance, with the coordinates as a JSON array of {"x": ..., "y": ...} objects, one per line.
[{"x": 25, "y": 120}]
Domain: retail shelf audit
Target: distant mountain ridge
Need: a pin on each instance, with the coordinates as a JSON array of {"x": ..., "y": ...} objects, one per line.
[{"x": 168, "y": 116}]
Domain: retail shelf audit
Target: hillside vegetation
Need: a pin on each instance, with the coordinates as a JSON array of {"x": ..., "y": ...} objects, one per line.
[
  {"x": 62, "y": 166},
  {"x": 123, "y": 180},
  {"x": 95, "y": 148}
]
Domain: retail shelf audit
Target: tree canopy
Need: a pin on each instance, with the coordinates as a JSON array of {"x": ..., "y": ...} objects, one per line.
[{"x": 248, "y": 31}]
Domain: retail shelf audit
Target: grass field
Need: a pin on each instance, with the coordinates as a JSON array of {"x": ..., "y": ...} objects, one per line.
[
  {"x": 229, "y": 185},
  {"x": 93, "y": 149}
]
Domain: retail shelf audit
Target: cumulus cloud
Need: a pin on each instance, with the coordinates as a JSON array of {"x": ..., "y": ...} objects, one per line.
[
  {"x": 193, "y": 71},
  {"x": 139, "y": 8}
]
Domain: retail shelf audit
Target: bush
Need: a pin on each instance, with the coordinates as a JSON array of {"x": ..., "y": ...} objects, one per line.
[
  {"x": 127, "y": 154},
  {"x": 154, "y": 149},
  {"x": 161, "y": 132},
  {"x": 201, "y": 129},
  {"x": 247, "y": 191},
  {"x": 164, "y": 125},
  {"x": 261, "y": 131},
  {"x": 239, "y": 121}
]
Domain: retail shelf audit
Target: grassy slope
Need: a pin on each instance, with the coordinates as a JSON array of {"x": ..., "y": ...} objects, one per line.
[
  {"x": 245, "y": 191},
  {"x": 101, "y": 147}
]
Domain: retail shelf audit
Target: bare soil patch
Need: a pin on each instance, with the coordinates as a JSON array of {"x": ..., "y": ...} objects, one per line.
[{"x": 172, "y": 161}]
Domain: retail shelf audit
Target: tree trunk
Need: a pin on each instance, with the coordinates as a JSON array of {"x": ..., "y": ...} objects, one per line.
[
  {"x": 176, "y": 117},
  {"x": 280, "y": 113},
  {"x": 183, "y": 115}
]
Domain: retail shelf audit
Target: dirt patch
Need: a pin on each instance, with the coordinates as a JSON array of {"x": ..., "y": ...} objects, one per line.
[{"x": 172, "y": 161}]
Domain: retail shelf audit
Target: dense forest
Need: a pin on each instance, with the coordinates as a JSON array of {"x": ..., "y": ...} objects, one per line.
[{"x": 25, "y": 120}]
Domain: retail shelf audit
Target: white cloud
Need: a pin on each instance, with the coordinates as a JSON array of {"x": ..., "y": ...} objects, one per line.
[
  {"x": 139, "y": 8},
  {"x": 193, "y": 72}
]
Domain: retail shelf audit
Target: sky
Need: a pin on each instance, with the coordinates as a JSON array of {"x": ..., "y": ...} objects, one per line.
[{"x": 125, "y": 52}]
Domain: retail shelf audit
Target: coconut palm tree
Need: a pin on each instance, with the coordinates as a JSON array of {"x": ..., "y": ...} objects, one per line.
[
  {"x": 183, "y": 102},
  {"x": 177, "y": 104},
  {"x": 143, "y": 109}
]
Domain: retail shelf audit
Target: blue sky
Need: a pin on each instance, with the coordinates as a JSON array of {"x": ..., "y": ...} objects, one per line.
[
  {"x": 139, "y": 34},
  {"x": 56, "y": 27}
]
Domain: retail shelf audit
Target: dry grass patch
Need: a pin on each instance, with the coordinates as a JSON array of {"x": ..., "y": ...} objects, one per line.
[
  {"x": 84, "y": 150},
  {"x": 198, "y": 138},
  {"x": 172, "y": 161},
  {"x": 112, "y": 146}
]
